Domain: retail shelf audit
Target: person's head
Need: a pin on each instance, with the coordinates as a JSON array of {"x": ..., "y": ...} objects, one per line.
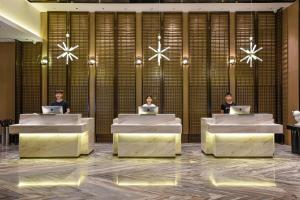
[
  {"x": 59, "y": 94},
  {"x": 228, "y": 97},
  {"x": 149, "y": 99}
]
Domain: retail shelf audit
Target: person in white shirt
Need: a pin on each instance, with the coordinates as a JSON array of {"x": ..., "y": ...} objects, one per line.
[{"x": 149, "y": 102}]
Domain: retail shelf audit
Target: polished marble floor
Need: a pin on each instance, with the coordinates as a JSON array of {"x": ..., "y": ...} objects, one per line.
[{"x": 190, "y": 176}]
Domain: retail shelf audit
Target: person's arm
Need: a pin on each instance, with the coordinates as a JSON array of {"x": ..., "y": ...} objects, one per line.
[
  {"x": 222, "y": 109},
  {"x": 68, "y": 108}
]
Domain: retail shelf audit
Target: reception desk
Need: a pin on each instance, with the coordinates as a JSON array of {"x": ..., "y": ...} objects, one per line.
[
  {"x": 146, "y": 135},
  {"x": 239, "y": 135},
  {"x": 41, "y": 136}
]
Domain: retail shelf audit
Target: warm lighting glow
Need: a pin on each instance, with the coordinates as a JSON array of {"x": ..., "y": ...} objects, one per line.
[
  {"x": 28, "y": 183},
  {"x": 185, "y": 61},
  {"x": 92, "y": 61},
  {"x": 138, "y": 61},
  {"x": 44, "y": 61},
  {"x": 241, "y": 183},
  {"x": 150, "y": 182}
]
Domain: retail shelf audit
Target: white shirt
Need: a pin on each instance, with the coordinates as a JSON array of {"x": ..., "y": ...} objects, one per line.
[{"x": 151, "y": 105}]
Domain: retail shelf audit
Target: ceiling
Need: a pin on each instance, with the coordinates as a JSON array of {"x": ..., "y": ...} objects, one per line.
[{"x": 159, "y": 1}]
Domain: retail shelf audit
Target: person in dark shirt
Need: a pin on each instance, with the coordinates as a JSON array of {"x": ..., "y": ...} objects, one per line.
[
  {"x": 59, "y": 94},
  {"x": 225, "y": 107}
]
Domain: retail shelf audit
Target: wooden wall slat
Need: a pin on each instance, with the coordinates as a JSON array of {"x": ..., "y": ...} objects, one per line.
[
  {"x": 219, "y": 44},
  {"x": 31, "y": 77},
  {"x": 126, "y": 62},
  {"x": 198, "y": 94},
  {"x": 245, "y": 75},
  {"x": 79, "y": 69},
  {"x": 172, "y": 70},
  {"x": 152, "y": 73},
  {"x": 57, "y": 71},
  {"x": 266, "y": 70},
  {"x": 105, "y": 73}
]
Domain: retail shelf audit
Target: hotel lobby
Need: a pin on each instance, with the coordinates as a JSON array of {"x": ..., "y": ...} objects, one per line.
[{"x": 156, "y": 99}]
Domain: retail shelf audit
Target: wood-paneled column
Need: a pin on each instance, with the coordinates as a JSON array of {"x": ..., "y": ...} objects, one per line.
[
  {"x": 139, "y": 54},
  {"x": 44, "y": 75},
  {"x": 232, "y": 54},
  {"x": 185, "y": 54},
  {"x": 92, "y": 79}
]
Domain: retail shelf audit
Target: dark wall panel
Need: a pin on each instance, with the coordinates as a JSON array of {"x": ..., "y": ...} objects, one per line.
[
  {"x": 105, "y": 73},
  {"x": 57, "y": 71},
  {"x": 266, "y": 70},
  {"x": 152, "y": 74},
  {"x": 198, "y": 94},
  {"x": 31, "y": 77},
  {"x": 172, "y": 70},
  {"x": 79, "y": 69},
  {"x": 245, "y": 75},
  {"x": 126, "y": 62},
  {"x": 219, "y": 44}
]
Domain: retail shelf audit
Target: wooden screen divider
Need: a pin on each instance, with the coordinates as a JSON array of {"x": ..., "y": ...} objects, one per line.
[
  {"x": 198, "y": 70},
  {"x": 115, "y": 69},
  {"x": 57, "y": 70},
  {"x": 79, "y": 69},
  {"x": 245, "y": 76},
  {"x": 219, "y": 54}
]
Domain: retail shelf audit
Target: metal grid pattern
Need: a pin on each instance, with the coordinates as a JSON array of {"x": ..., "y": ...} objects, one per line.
[
  {"x": 172, "y": 70},
  {"x": 152, "y": 73},
  {"x": 57, "y": 70},
  {"x": 198, "y": 93},
  {"x": 105, "y": 72},
  {"x": 284, "y": 75},
  {"x": 126, "y": 62},
  {"x": 245, "y": 76},
  {"x": 31, "y": 77},
  {"x": 219, "y": 44},
  {"x": 79, "y": 69},
  {"x": 266, "y": 70}
]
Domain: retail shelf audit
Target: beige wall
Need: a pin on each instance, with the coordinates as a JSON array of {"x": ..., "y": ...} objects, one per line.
[{"x": 7, "y": 80}]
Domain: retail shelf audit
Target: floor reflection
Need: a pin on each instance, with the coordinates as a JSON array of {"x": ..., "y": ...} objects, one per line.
[{"x": 52, "y": 179}]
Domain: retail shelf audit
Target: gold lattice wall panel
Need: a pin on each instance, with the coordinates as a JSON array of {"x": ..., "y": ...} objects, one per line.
[{"x": 198, "y": 38}]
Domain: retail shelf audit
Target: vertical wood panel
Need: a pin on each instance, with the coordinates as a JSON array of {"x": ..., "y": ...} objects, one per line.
[
  {"x": 57, "y": 71},
  {"x": 172, "y": 70},
  {"x": 266, "y": 70},
  {"x": 198, "y": 107},
  {"x": 79, "y": 69},
  {"x": 31, "y": 77},
  {"x": 245, "y": 75},
  {"x": 126, "y": 62},
  {"x": 105, "y": 73},
  {"x": 151, "y": 71},
  {"x": 219, "y": 44}
]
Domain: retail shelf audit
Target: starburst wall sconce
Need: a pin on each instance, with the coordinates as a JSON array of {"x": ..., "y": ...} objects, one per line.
[{"x": 67, "y": 50}]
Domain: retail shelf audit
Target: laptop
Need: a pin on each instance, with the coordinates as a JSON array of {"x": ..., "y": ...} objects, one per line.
[
  {"x": 144, "y": 110},
  {"x": 52, "y": 109},
  {"x": 240, "y": 110}
]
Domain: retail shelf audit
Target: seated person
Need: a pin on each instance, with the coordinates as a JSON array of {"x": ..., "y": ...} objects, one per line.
[
  {"x": 59, "y": 94},
  {"x": 149, "y": 102},
  {"x": 225, "y": 107}
]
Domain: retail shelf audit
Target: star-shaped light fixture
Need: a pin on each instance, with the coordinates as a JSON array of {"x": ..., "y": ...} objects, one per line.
[
  {"x": 251, "y": 53},
  {"x": 159, "y": 52},
  {"x": 67, "y": 51}
]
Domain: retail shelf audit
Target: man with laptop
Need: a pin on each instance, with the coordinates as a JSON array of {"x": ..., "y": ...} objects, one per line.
[{"x": 59, "y": 94}]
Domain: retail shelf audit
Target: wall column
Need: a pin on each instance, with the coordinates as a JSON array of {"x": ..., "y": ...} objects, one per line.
[
  {"x": 185, "y": 93},
  {"x": 232, "y": 54},
  {"x": 139, "y": 54},
  {"x": 44, "y": 75},
  {"x": 92, "y": 54}
]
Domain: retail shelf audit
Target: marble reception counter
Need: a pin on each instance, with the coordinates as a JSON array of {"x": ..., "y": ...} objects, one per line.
[
  {"x": 67, "y": 135},
  {"x": 239, "y": 135},
  {"x": 146, "y": 135}
]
